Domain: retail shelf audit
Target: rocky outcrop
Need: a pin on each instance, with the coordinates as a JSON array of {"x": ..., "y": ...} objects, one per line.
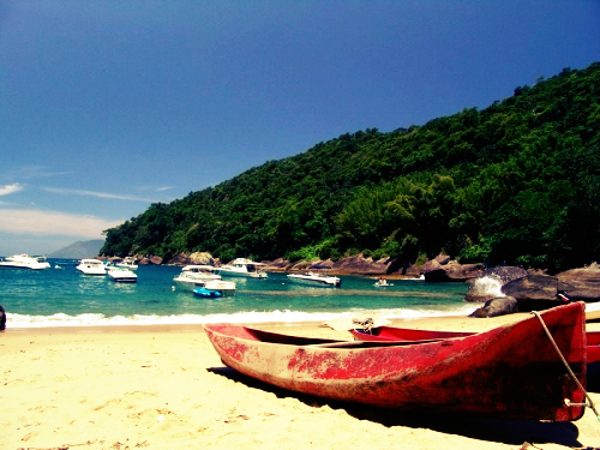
[
  {"x": 360, "y": 265},
  {"x": 152, "y": 261},
  {"x": 196, "y": 258},
  {"x": 497, "y": 307},
  {"x": 278, "y": 265},
  {"x": 444, "y": 269},
  {"x": 2, "y": 319},
  {"x": 534, "y": 292},
  {"x": 355, "y": 265},
  {"x": 321, "y": 265},
  {"x": 505, "y": 274},
  {"x": 202, "y": 258},
  {"x": 489, "y": 285},
  {"x": 180, "y": 260},
  {"x": 581, "y": 284}
]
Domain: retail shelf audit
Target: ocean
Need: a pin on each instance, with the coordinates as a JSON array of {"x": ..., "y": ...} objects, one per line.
[{"x": 62, "y": 297}]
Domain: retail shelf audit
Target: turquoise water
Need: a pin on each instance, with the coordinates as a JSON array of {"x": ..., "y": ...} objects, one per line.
[{"x": 64, "y": 297}]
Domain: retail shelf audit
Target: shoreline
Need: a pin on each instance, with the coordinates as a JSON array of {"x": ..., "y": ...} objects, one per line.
[{"x": 441, "y": 322}]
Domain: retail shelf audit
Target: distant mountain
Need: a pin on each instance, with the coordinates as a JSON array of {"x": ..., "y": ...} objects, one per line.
[{"x": 78, "y": 250}]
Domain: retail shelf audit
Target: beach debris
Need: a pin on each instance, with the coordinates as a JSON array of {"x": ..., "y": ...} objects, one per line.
[
  {"x": 347, "y": 323},
  {"x": 60, "y": 447}
]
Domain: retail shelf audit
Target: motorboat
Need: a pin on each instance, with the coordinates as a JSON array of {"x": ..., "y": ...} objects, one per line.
[
  {"x": 224, "y": 287},
  {"x": 314, "y": 279},
  {"x": 382, "y": 282},
  {"x": 122, "y": 275},
  {"x": 533, "y": 369},
  {"x": 128, "y": 263},
  {"x": 242, "y": 267},
  {"x": 24, "y": 261},
  {"x": 91, "y": 266},
  {"x": 196, "y": 276}
]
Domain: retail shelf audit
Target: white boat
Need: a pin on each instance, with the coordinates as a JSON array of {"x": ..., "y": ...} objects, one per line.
[
  {"x": 91, "y": 267},
  {"x": 24, "y": 261},
  {"x": 224, "y": 287},
  {"x": 242, "y": 267},
  {"x": 383, "y": 283},
  {"x": 128, "y": 263},
  {"x": 314, "y": 279},
  {"x": 122, "y": 275},
  {"x": 195, "y": 276}
]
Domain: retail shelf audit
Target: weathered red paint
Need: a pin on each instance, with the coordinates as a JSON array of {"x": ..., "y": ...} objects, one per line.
[{"x": 508, "y": 372}]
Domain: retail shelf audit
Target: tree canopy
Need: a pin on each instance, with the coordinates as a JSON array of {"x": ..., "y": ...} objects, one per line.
[{"x": 515, "y": 183}]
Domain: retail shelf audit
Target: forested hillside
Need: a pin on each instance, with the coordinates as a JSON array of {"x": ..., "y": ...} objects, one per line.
[{"x": 517, "y": 182}]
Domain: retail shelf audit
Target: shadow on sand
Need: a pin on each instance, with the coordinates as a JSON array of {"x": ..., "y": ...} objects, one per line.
[{"x": 511, "y": 432}]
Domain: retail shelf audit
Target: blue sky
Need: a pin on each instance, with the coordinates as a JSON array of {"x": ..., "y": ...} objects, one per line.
[{"x": 107, "y": 107}]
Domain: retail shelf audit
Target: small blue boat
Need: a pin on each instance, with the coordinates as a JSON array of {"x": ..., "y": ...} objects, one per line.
[{"x": 207, "y": 293}]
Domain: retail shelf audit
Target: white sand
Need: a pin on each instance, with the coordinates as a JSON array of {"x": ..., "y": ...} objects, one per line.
[{"x": 165, "y": 388}]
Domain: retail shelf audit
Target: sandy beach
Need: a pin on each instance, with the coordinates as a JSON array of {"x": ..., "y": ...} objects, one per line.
[{"x": 160, "y": 387}]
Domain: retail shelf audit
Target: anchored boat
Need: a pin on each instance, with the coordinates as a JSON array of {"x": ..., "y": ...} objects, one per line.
[{"x": 314, "y": 279}]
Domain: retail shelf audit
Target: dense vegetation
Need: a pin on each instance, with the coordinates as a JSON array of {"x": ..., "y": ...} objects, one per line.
[{"x": 518, "y": 182}]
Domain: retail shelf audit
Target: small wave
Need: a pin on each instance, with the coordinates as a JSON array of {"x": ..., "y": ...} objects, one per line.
[{"x": 286, "y": 316}]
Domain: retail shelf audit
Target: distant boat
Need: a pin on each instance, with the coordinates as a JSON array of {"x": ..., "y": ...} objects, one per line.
[
  {"x": 509, "y": 372},
  {"x": 242, "y": 267},
  {"x": 313, "y": 279},
  {"x": 128, "y": 263},
  {"x": 91, "y": 267},
  {"x": 196, "y": 276},
  {"x": 122, "y": 275},
  {"x": 24, "y": 261},
  {"x": 224, "y": 287},
  {"x": 382, "y": 283}
]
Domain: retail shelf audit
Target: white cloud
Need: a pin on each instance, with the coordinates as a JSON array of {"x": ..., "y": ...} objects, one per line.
[
  {"x": 8, "y": 189},
  {"x": 53, "y": 223},
  {"x": 128, "y": 198},
  {"x": 35, "y": 172},
  {"x": 156, "y": 188}
]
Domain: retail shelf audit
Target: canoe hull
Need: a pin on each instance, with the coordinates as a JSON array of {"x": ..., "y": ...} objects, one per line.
[{"x": 510, "y": 372}]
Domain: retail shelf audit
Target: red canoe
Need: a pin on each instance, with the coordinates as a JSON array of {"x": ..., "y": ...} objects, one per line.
[
  {"x": 395, "y": 334},
  {"x": 510, "y": 372}
]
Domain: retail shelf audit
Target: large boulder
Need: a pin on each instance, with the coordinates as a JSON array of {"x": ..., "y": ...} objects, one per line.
[
  {"x": 497, "y": 307},
  {"x": 151, "y": 261},
  {"x": 196, "y": 258},
  {"x": 278, "y": 265},
  {"x": 489, "y": 285},
  {"x": 534, "y": 292},
  {"x": 360, "y": 265},
  {"x": 581, "y": 284},
  {"x": 199, "y": 258},
  {"x": 451, "y": 271},
  {"x": 321, "y": 265},
  {"x": 483, "y": 289},
  {"x": 181, "y": 259}
]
